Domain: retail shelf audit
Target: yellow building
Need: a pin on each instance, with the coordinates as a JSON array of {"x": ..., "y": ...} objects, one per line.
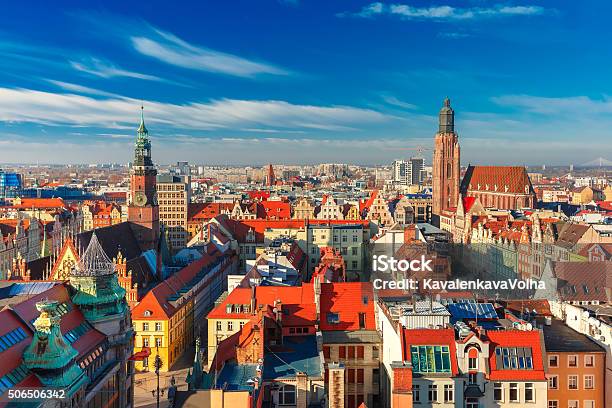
[
  {"x": 172, "y": 314},
  {"x": 165, "y": 334}
]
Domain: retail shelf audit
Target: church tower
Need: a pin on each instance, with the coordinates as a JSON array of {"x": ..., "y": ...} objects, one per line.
[
  {"x": 446, "y": 163},
  {"x": 143, "y": 210}
]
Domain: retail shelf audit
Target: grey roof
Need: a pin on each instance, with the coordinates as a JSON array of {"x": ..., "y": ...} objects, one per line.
[
  {"x": 357, "y": 336},
  {"x": 561, "y": 338}
]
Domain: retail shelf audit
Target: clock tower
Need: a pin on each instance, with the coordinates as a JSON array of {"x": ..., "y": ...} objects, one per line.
[{"x": 143, "y": 210}]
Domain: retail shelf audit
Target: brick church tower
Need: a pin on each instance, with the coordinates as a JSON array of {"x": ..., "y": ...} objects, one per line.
[
  {"x": 446, "y": 164},
  {"x": 143, "y": 209}
]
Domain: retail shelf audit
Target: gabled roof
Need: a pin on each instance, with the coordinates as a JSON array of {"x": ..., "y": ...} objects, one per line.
[
  {"x": 516, "y": 339},
  {"x": 583, "y": 281},
  {"x": 297, "y": 303},
  {"x": 348, "y": 300},
  {"x": 158, "y": 303},
  {"x": 497, "y": 179},
  {"x": 430, "y": 337}
]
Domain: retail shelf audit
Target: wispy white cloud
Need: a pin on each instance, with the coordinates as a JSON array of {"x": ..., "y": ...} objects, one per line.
[
  {"x": 442, "y": 12},
  {"x": 573, "y": 105},
  {"x": 170, "y": 49},
  {"x": 105, "y": 69},
  {"x": 68, "y": 86},
  {"x": 392, "y": 100},
  {"x": 27, "y": 105}
]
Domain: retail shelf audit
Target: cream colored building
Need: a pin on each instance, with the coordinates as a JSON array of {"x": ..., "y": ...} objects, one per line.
[{"x": 173, "y": 196}]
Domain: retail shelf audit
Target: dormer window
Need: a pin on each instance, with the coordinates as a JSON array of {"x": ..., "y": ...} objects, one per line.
[
  {"x": 147, "y": 313},
  {"x": 333, "y": 318}
]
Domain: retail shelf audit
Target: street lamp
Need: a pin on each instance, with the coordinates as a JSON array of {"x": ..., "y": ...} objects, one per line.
[{"x": 157, "y": 364}]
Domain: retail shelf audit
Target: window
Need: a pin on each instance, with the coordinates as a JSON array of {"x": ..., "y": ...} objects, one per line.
[
  {"x": 158, "y": 326},
  {"x": 145, "y": 327},
  {"x": 553, "y": 361},
  {"x": 354, "y": 264},
  {"x": 553, "y": 382},
  {"x": 416, "y": 392},
  {"x": 553, "y": 404},
  {"x": 145, "y": 342},
  {"x": 333, "y": 318},
  {"x": 529, "y": 393},
  {"x": 589, "y": 404},
  {"x": 589, "y": 382},
  {"x": 572, "y": 382},
  {"x": 448, "y": 393},
  {"x": 230, "y": 326},
  {"x": 471, "y": 403},
  {"x": 326, "y": 351},
  {"x": 572, "y": 404},
  {"x": 342, "y": 352},
  {"x": 498, "y": 392},
  {"x": 360, "y": 352},
  {"x": 514, "y": 395},
  {"x": 360, "y": 375},
  {"x": 472, "y": 378},
  {"x": 241, "y": 325},
  {"x": 589, "y": 360},
  {"x": 473, "y": 363},
  {"x": 430, "y": 359},
  {"x": 362, "y": 320},
  {"x": 158, "y": 342},
  {"x": 572, "y": 361},
  {"x": 286, "y": 395},
  {"x": 513, "y": 358},
  {"x": 432, "y": 394},
  {"x": 219, "y": 326}
]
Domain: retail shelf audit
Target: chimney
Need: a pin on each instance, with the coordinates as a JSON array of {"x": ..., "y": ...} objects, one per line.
[
  {"x": 253, "y": 300},
  {"x": 401, "y": 395},
  {"x": 317, "y": 295},
  {"x": 302, "y": 390},
  {"x": 336, "y": 385},
  {"x": 409, "y": 233}
]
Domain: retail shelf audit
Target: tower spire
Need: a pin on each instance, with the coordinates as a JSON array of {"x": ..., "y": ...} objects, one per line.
[
  {"x": 447, "y": 118},
  {"x": 142, "y": 129}
]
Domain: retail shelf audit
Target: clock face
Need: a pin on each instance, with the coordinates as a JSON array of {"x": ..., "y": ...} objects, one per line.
[{"x": 140, "y": 199}]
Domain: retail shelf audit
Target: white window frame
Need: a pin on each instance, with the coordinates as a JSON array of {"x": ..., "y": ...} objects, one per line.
[
  {"x": 555, "y": 356},
  {"x": 518, "y": 394},
  {"x": 500, "y": 386},
  {"x": 584, "y": 381},
  {"x": 449, "y": 390},
  {"x": 556, "y": 377},
  {"x": 577, "y": 382},
  {"x": 569, "y": 357},
  {"x": 533, "y": 396},
  {"x": 592, "y": 357}
]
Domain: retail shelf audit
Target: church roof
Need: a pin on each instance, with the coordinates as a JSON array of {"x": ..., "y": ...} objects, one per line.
[{"x": 508, "y": 179}]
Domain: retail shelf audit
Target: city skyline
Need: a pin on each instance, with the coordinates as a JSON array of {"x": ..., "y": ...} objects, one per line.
[{"x": 304, "y": 82}]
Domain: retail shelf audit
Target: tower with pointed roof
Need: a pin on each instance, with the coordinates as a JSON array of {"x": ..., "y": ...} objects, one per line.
[
  {"x": 446, "y": 161},
  {"x": 98, "y": 295},
  {"x": 143, "y": 209}
]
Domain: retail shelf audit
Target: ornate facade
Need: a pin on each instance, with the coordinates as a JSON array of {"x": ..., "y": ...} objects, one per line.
[{"x": 143, "y": 209}]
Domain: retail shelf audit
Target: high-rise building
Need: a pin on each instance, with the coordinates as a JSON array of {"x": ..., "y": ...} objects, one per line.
[
  {"x": 10, "y": 185},
  {"x": 409, "y": 172},
  {"x": 143, "y": 210},
  {"x": 270, "y": 179},
  {"x": 417, "y": 170},
  {"x": 174, "y": 195},
  {"x": 446, "y": 162}
]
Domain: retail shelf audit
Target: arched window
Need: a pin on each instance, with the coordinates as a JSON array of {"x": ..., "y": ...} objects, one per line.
[{"x": 473, "y": 359}]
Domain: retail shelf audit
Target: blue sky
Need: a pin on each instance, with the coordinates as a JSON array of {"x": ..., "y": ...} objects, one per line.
[{"x": 298, "y": 81}]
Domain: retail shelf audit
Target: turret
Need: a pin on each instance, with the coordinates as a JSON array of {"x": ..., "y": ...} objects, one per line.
[{"x": 446, "y": 118}]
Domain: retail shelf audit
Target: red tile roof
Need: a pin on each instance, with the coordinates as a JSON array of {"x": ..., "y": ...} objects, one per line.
[
  {"x": 297, "y": 303},
  {"x": 278, "y": 210},
  {"x": 515, "y": 178},
  {"x": 516, "y": 338},
  {"x": 430, "y": 337},
  {"x": 157, "y": 302},
  {"x": 348, "y": 299}
]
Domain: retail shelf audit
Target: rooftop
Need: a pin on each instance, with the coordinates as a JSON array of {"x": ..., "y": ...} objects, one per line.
[
  {"x": 561, "y": 338},
  {"x": 297, "y": 354}
]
